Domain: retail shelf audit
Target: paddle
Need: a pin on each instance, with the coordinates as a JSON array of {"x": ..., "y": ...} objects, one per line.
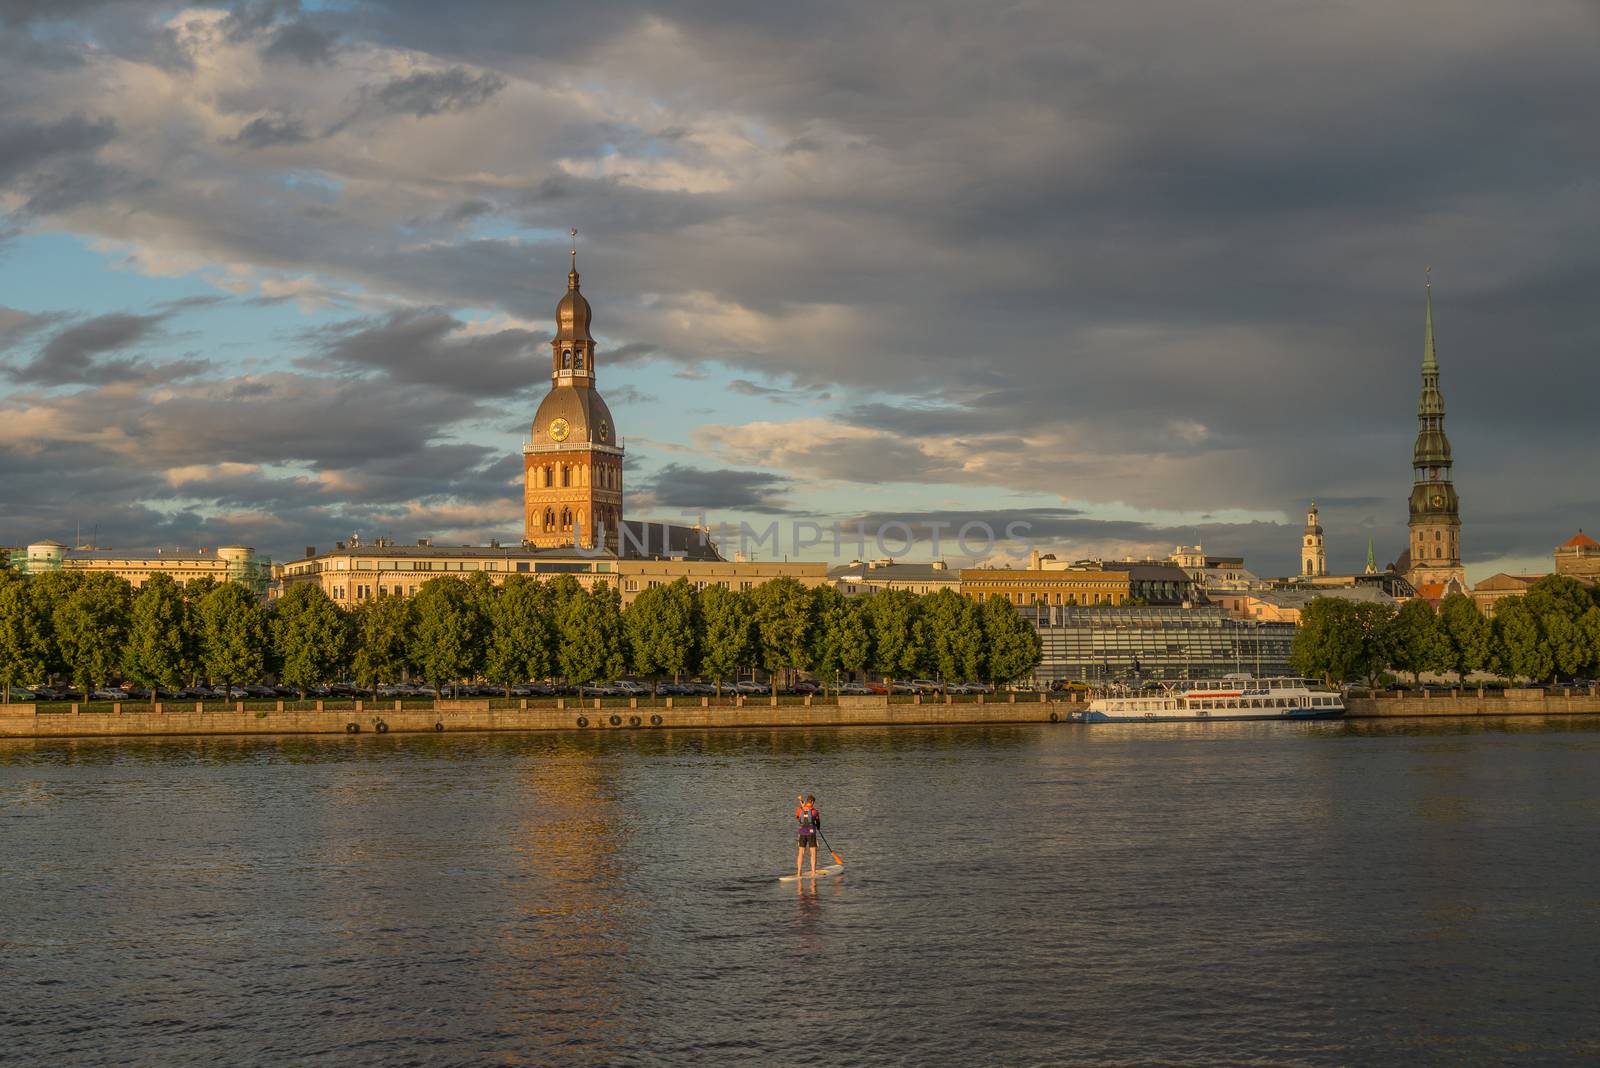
[{"x": 837, "y": 859}]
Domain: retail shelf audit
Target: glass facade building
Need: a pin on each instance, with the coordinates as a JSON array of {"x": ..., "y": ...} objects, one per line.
[{"x": 1099, "y": 644}]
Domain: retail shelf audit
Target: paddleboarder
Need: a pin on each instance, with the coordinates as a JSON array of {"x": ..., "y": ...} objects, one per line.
[{"x": 810, "y": 820}]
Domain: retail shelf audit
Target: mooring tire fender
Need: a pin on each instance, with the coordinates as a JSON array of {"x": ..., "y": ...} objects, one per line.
[
  {"x": 381, "y": 727},
  {"x": 438, "y": 726},
  {"x": 352, "y": 728},
  {"x": 583, "y": 721},
  {"x": 655, "y": 721},
  {"x": 616, "y": 721}
]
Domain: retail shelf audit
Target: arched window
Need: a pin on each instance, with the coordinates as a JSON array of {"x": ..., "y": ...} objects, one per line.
[
  {"x": 549, "y": 519},
  {"x": 566, "y": 475},
  {"x": 566, "y": 519},
  {"x": 566, "y": 358},
  {"x": 549, "y": 475},
  {"x": 577, "y": 360}
]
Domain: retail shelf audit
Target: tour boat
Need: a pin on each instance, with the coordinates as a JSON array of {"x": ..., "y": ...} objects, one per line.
[{"x": 1232, "y": 697}]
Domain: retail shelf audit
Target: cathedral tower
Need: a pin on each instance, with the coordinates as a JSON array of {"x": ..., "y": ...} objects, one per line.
[
  {"x": 1435, "y": 523},
  {"x": 1313, "y": 558},
  {"x": 572, "y": 464}
]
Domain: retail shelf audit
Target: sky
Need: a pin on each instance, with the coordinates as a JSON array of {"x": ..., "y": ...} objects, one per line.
[{"x": 1128, "y": 275}]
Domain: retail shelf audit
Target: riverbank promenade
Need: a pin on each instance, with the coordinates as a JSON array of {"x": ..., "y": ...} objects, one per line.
[{"x": 598, "y": 714}]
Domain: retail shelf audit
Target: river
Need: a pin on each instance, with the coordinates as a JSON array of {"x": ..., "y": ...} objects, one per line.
[{"x": 1319, "y": 893}]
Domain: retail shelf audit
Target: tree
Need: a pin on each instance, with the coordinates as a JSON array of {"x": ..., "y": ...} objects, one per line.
[
  {"x": 1519, "y": 648},
  {"x": 1418, "y": 641},
  {"x": 311, "y": 636},
  {"x": 195, "y": 592},
  {"x": 1328, "y": 642},
  {"x": 1466, "y": 635},
  {"x": 1589, "y": 627},
  {"x": 1375, "y": 624},
  {"x": 382, "y": 639},
  {"x": 521, "y": 633},
  {"x": 48, "y": 592},
  {"x": 590, "y": 626},
  {"x": 234, "y": 642},
  {"x": 896, "y": 640},
  {"x": 1559, "y": 603},
  {"x": 157, "y": 654},
  {"x": 24, "y": 635},
  {"x": 446, "y": 639},
  {"x": 1012, "y": 642},
  {"x": 725, "y": 640},
  {"x": 91, "y": 627},
  {"x": 953, "y": 637},
  {"x": 782, "y": 615},
  {"x": 840, "y": 638},
  {"x": 660, "y": 629}
]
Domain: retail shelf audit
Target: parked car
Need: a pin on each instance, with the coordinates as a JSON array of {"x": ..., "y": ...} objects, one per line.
[
  {"x": 805, "y": 686},
  {"x": 22, "y": 696},
  {"x": 107, "y": 693},
  {"x": 629, "y": 688},
  {"x": 853, "y": 689}
]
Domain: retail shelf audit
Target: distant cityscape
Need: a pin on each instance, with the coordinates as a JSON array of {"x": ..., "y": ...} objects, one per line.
[{"x": 1190, "y": 613}]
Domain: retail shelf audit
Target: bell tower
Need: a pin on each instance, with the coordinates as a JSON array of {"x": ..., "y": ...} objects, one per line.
[
  {"x": 1435, "y": 521},
  {"x": 572, "y": 462},
  {"x": 1313, "y": 558}
]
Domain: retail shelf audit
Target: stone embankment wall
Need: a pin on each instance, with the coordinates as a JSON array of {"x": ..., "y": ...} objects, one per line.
[
  {"x": 20, "y": 721},
  {"x": 1475, "y": 702}
]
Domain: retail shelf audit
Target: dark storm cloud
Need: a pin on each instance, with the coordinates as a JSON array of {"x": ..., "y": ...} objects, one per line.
[
  {"x": 303, "y": 42},
  {"x": 1148, "y": 233},
  {"x": 72, "y": 355},
  {"x": 423, "y": 346},
  {"x": 705, "y": 490},
  {"x": 267, "y": 132},
  {"x": 25, "y": 145},
  {"x": 432, "y": 92}
]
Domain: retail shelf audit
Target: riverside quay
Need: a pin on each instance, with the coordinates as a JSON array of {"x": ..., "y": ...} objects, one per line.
[{"x": 1094, "y": 644}]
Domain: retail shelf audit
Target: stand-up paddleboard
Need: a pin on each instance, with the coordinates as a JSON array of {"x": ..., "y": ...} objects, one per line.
[{"x": 831, "y": 869}]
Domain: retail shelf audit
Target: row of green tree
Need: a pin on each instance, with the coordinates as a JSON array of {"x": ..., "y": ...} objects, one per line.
[
  {"x": 1551, "y": 632},
  {"x": 93, "y": 627}
]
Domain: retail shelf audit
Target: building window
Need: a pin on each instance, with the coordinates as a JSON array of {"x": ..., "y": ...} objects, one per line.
[
  {"x": 522, "y": 565},
  {"x": 566, "y": 475}
]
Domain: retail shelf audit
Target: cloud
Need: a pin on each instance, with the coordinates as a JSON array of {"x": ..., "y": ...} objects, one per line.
[
  {"x": 267, "y": 131},
  {"x": 71, "y": 356},
  {"x": 26, "y": 145},
  {"x": 428, "y": 346},
  {"x": 1161, "y": 258},
  {"x": 432, "y": 92},
  {"x": 711, "y": 490}
]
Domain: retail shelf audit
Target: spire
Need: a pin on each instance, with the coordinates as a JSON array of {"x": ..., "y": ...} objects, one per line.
[
  {"x": 1430, "y": 360},
  {"x": 572, "y": 275},
  {"x": 1372, "y": 561}
]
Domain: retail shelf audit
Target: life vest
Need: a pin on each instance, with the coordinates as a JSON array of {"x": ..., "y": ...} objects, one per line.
[{"x": 807, "y": 815}]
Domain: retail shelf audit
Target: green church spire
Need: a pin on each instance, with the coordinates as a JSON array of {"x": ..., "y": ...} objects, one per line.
[
  {"x": 1372, "y": 561},
  {"x": 1430, "y": 359}
]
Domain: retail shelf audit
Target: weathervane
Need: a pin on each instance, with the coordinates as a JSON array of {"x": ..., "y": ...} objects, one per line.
[
  {"x": 574, "y": 248},
  {"x": 1427, "y": 275}
]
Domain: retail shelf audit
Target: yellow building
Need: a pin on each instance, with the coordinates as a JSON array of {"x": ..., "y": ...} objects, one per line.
[
  {"x": 360, "y": 572},
  {"x": 869, "y": 576},
  {"x": 236, "y": 563},
  {"x": 363, "y": 572},
  {"x": 740, "y": 575},
  {"x": 1025, "y": 586}
]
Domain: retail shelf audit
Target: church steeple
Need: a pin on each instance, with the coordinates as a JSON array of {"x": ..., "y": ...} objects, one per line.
[
  {"x": 572, "y": 347},
  {"x": 1435, "y": 521},
  {"x": 1313, "y": 557},
  {"x": 573, "y": 458}
]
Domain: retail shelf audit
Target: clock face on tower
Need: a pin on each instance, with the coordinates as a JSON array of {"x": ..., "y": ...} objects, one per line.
[
  {"x": 1438, "y": 500},
  {"x": 605, "y": 430},
  {"x": 559, "y": 429}
]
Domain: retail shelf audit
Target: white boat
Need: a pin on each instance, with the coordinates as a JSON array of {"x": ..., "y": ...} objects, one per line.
[{"x": 1231, "y": 697}]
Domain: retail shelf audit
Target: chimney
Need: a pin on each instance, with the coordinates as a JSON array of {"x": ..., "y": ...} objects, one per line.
[
  {"x": 338, "y": 546},
  {"x": 940, "y": 565},
  {"x": 311, "y": 550}
]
